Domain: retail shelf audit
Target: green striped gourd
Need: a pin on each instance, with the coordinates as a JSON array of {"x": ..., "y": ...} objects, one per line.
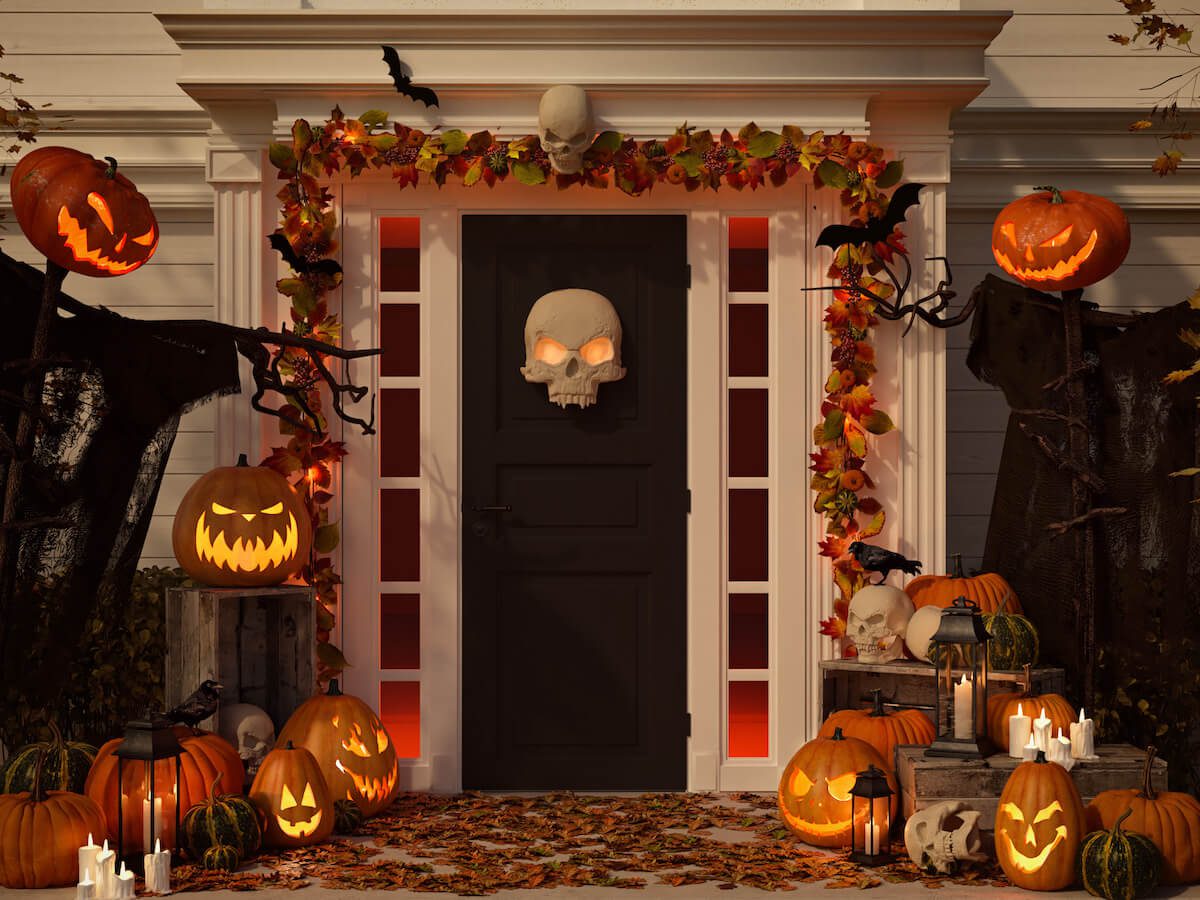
[
  {"x": 221, "y": 857},
  {"x": 1119, "y": 864},
  {"x": 65, "y": 768},
  {"x": 347, "y": 817},
  {"x": 1014, "y": 642},
  {"x": 229, "y": 819}
]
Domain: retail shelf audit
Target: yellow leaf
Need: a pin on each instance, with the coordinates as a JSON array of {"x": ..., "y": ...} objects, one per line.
[
  {"x": 1141, "y": 125},
  {"x": 1194, "y": 300},
  {"x": 1182, "y": 374}
]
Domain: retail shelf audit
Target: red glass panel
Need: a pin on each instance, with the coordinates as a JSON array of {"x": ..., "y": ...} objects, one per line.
[
  {"x": 400, "y": 631},
  {"x": 748, "y": 731},
  {"x": 748, "y": 339},
  {"x": 748, "y": 534},
  {"x": 400, "y": 338},
  {"x": 399, "y": 432},
  {"x": 400, "y": 534},
  {"x": 400, "y": 253},
  {"x": 747, "y": 631},
  {"x": 748, "y": 432},
  {"x": 400, "y": 709},
  {"x": 748, "y": 254}
]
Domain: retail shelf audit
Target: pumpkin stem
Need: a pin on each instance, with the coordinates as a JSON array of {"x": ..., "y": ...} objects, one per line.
[
  {"x": 876, "y": 695},
  {"x": 290, "y": 746},
  {"x": 1055, "y": 194},
  {"x": 334, "y": 690},
  {"x": 957, "y": 570},
  {"x": 37, "y": 793},
  {"x": 1147, "y": 790},
  {"x": 212, "y": 789},
  {"x": 1041, "y": 756},
  {"x": 111, "y": 171},
  {"x": 1117, "y": 824},
  {"x": 837, "y": 734},
  {"x": 242, "y": 462},
  {"x": 57, "y": 743},
  {"x": 1004, "y": 602}
]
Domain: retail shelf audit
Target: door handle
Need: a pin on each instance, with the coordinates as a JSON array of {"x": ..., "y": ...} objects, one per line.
[{"x": 495, "y": 509}]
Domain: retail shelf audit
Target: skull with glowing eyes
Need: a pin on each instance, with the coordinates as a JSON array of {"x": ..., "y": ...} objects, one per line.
[
  {"x": 572, "y": 345},
  {"x": 291, "y": 793},
  {"x": 565, "y": 126}
]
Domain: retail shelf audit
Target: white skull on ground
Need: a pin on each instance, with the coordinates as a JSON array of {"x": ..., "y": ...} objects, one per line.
[
  {"x": 572, "y": 345},
  {"x": 565, "y": 126},
  {"x": 942, "y": 837},
  {"x": 877, "y": 622},
  {"x": 250, "y": 729}
]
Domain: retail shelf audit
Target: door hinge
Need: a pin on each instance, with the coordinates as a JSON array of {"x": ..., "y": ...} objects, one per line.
[{"x": 688, "y": 717}]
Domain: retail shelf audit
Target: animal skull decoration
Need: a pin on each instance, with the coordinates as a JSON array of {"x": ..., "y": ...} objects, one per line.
[
  {"x": 250, "y": 729},
  {"x": 573, "y": 345},
  {"x": 877, "y": 622},
  {"x": 942, "y": 837},
  {"x": 565, "y": 126}
]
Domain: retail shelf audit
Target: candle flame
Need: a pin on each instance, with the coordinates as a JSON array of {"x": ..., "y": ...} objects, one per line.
[
  {"x": 1031, "y": 745},
  {"x": 964, "y": 678},
  {"x": 1081, "y": 715},
  {"x": 157, "y": 845},
  {"x": 106, "y": 845},
  {"x": 1020, "y": 712}
]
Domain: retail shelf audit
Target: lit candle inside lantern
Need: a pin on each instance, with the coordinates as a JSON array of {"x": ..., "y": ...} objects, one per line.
[
  {"x": 147, "y": 836},
  {"x": 106, "y": 872},
  {"x": 1041, "y": 732},
  {"x": 158, "y": 870},
  {"x": 1083, "y": 738},
  {"x": 1060, "y": 751},
  {"x": 1019, "y": 731},
  {"x": 125, "y": 884},
  {"x": 86, "y": 889},
  {"x": 963, "y": 717},
  {"x": 87, "y": 858},
  {"x": 871, "y": 839},
  {"x": 1029, "y": 751}
]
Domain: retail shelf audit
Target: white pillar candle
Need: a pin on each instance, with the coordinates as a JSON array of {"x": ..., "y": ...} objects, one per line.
[
  {"x": 963, "y": 719},
  {"x": 87, "y": 858},
  {"x": 1029, "y": 751},
  {"x": 158, "y": 870},
  {"x": 1060, "y": 751},
  {"x": 86, "y": 889},
  {"x": 1041, "y": 733},
  {"x": 1019, "y": 730},
  {"x": 872, "y": 839},
  {"x": 106, "y": 873},
  {"x": 147, "y": 837},
  {"x": 125, "y": 884},
  {"x": 1083, "y": 738}
]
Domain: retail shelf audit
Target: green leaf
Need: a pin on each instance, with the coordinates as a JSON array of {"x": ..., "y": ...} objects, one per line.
[
  {"x": 528, "y": 172},
  {"x": 856, "y": 440},
  {"x": 454, "y": 142},
  {"x": 282, "y": 157},
  {"x": 607, "y": 142},
  {"x": 474, "y": 173},
  {"x": 690, "y": 160},
  {"x": 331, "y": 657},
  {"x": 301, "y": 136},
  {"x": 764, "y": 144},
  {"x": 327, "y": 538},
  {"x": 832, "y": 174},
  {"x": 878, "y": 422},
  {"x": 834, "y": 423},
  {"x": 891, "y": 174},
  {"x": 373, "y": 117},
  {"x": 324, "y": 617},
  {"x": 384, "y": 142}
]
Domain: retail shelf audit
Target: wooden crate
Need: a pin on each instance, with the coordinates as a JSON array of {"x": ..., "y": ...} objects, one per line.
[
  {"x": 847, "y": 683},
  {"x": 924, "y": 781},
  {"x": 260, "y": 643}
]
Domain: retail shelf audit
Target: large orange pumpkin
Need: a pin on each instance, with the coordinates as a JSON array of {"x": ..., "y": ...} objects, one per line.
[
  {"x": 1001, "y": 706},
  {"x": 1039, "y": 826},
  {"x": 987, "y": 590},
  {"x": 1060, "y": 240},
  {"x": 290, "y": 791},
  {"x": 82, "y": 214},
  {"x": 205, "y": 756},
  {"x": 351, "y": 745},
  {"x": 41, "y": 832},
  {"x": 814, "y": 791},
  {"x": 881, "y": 729},
  {"x": 1171, "y": 819},
  {"x": 241, "y": 526}
]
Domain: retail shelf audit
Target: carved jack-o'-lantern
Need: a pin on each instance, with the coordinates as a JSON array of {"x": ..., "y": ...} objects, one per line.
[
  {"x": 351, "y": 746},
  {"x": 291, "y": 793},
  {"x": 1060, "y": 240},
  {"x": 1039, "y": 824},
  {"x": 814, "y": 791},
  {"x": 241, "y": 526},
  {"x": 81, "y": 213}
]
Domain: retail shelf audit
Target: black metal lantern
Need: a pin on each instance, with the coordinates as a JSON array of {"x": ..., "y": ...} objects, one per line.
[
  {"x": 150, "y": 796},
  {"x": 871, "y": 805},
  {"x": 961, "y": 684}
]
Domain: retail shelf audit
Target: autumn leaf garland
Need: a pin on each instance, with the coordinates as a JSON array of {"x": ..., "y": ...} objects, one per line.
[{"x": 695, "y": 159}]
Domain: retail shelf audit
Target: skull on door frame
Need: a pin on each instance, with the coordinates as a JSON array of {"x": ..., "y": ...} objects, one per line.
[
  {"x": 572, "y": 345},
  {"x": 565, "y": 126}
]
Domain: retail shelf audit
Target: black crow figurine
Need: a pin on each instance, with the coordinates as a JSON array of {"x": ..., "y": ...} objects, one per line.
[
  {"x": 877, "y": 559},
  {"x": 199, "y": 706}
]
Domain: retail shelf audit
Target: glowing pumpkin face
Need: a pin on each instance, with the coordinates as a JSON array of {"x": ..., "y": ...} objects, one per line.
[
  {"x": 354, "y": 750},
  {"x": 241, "y": 526},
  {"x": 814, "y": 792},
  {"x": 1039, "y": 824},
  {"x": 1060, "y": 240},
  {"x": 292, "y": 795},
  {"x": 81, "y": 213}
]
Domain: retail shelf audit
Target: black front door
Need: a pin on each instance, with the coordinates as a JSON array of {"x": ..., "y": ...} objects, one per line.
[{"x": 574, "y": 583}]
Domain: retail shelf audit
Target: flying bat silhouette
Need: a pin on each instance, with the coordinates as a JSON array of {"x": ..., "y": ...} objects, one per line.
[
  {"x": 876, "y": 229},
  {"x": 298, "y": 262},
  {"x": 403, "y": 82}
]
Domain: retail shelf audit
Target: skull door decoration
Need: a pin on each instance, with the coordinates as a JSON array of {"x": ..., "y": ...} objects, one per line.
[{"x": 572, "y": 345}]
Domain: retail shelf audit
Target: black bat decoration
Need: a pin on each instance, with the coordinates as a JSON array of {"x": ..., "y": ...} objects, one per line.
[
  {"x": 403, "y": 82},
  {"x": 876, "y": 229},
  {"x": 299, "y": 263}
]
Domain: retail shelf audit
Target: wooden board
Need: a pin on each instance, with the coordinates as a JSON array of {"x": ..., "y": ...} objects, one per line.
[
  {"x": 260, "y": 643},
  {"x": 924, "y": 781}
]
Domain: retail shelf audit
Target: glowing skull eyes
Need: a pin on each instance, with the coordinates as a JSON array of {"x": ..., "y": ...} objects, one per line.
[
  {"x": 839, "y": 788},
  {"x": 549, "y": 351},
  {"x": 287, "y": 800},
  {"x": 597, "y": 351},
  {"x": 594, "y": 352}
]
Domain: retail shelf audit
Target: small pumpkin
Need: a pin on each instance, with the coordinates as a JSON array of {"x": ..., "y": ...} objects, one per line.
[
  {"x": 291, "y": 792},
  {"x": 1060, "y": 240},
  {"x": 1119, "y": 864},
  {"x": 65, "y": 768},
  {"x": 228, "y": 819},
  {"x": 1039, "y": 826},
  {"x": 81, "y": 213},
  {"x": 1171, "y": 819},
  {"x": 41, "y": 832},
  {"x": 987, "y": 590},
  {"x": 1014, "y": 644},
  {"x": 221, "y": 858},
  {"x": 814, "y": 791},
  {"x": 351, "y": 745},
  {"x": 1002, "y": 706},
  {"x": 881, "y": 729},
  {"x": 347, "y": 817}
]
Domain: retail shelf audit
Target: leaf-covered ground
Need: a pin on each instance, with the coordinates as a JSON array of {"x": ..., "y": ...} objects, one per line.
[{"x": 474, "y": 845}]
